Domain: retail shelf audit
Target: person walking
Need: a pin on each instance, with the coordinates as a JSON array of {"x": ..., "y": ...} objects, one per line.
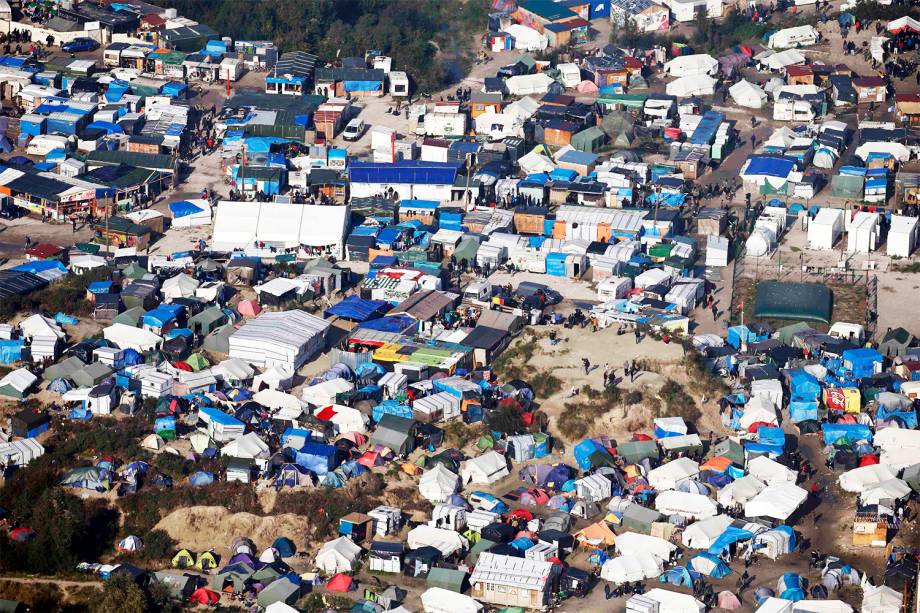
[
  {"x": 607, "y": 373},
  {"x": 715, "y": 312},
  {"x": 627, "y": 372},
  {"x": 587, "y": 365},
  {"x": 638, "y": 334}
]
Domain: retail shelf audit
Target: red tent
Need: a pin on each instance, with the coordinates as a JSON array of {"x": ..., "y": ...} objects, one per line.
[
  {"x": 340, "y": 583},
  {"x": 248, "y": 308},
  {"x": 183, "y": 366},
  {"x": 753, "y": 427},
  {"x": 204, "y": 596},
  {"x": 641, "y": 437},
  {"x": 523, "y": 514},
  {"x": 21, "y": 535},
  {"x": 326, "y": 413},
  {"x": 868, "y": 459},
  {"x": 846, "y": 419}
]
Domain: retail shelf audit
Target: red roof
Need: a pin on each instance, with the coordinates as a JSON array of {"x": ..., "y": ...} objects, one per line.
[
  {"x": 869, "y": 82},
  {"x": 799, "y": 71},
  {"x": 153, "y": 20},
  {"x": 44, "y": 250},
  {"x": 907, "y": 97},
  {"x": 340, "y": 583},
  {"x": 326, "y": 413},
  {"x": 633, "y": 62}
]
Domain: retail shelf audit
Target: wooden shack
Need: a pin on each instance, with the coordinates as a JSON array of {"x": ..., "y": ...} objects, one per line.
[{"x": 530, "y": 220}]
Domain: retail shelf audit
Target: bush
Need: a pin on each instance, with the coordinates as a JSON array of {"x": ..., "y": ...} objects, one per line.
[
  {"x": 506, "y": 421},
  {"x": 677, "y": 402},
  {"x": 326, "y": 506},
  {"x": 144, "y": 509},
  {"x": 121, "y": 593}
]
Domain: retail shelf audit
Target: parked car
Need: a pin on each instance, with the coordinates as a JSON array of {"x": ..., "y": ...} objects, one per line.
[
  {"x": 354, "y": 130},
  {"x": 79, "y": 45}
]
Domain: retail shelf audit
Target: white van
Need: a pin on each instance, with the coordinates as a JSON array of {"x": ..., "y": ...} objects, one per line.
[
  {"x": 44, "y": 144},
  {"x": 354, "y": 130}
]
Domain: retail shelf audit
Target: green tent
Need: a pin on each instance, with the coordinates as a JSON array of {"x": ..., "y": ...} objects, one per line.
[
  {"x": 730, "y": 449},
  {"x": 218, "y": 341},
  {"x": 197, "y": 362},
  {"x": 485, "y": 442},
  {"x": 208, "y": 320},
  {"x": 589, "y": 140},
  {"x": 134, "y": 271},
  {"x": 446, "y": 578},
  {"x": 131, "y": 317},
  {"x": 636, "y": 451}
]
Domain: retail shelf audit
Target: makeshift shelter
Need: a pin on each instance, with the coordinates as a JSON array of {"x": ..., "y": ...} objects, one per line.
[
  {"x": 485, "y": 469},
  {"x": 637, "y": 566},
  {"x": 338, "y": 556},
  {"x": 748, "y": 95},
  {"x": 776, "y": 501},
  {"x": 438, "y": 484}
]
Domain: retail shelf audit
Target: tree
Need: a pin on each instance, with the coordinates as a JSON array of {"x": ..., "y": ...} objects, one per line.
[{"x": 121, "y": 593}]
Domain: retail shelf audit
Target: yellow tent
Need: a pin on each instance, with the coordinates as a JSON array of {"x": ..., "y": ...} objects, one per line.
[
  {"x": 206, "y": 561},
  {"x": 183, "y": 559}
]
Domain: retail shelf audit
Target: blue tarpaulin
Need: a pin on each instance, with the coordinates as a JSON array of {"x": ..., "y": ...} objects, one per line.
[
  {"x": 354, "y": 308},
  {"x": 584, "y": 450},
  {"x": 317, "y": 458},
  {"x": 183, "y": 208},
  {"x": 848, "y": 432},
  {"x": 771, "y": 435},
  {"x": 862, "y": 362},
  {"x": 726, "y": 539},
  {"x": 402, "y": 324},
  {"x": 10, "y": 351},
  {"x": 405, "y": 171},
  {"x": 770, "y": 166},
  {"x": 391, "y": 407}
]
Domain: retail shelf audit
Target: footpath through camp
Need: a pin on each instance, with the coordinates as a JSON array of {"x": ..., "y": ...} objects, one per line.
[{"x": 623, "y": 319}]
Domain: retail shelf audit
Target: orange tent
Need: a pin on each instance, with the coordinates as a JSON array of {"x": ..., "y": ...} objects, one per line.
[
  {"x": 596, "y": 535},
  {"x": 719, "y": 464}
]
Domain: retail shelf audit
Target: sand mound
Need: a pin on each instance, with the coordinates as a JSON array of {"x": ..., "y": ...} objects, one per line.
[{"x": 200, "y": 528}]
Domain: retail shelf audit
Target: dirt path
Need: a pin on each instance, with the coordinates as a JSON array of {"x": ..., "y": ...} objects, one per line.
[{"x": 55, "y": 582}]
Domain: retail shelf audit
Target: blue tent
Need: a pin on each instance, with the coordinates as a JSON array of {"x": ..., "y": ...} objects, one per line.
[
  {"x": 201, "y": 478},
  {"x": 727, "y": 539},
  {"x": 678, "y": 576},
  {"x": 285, "y": 547},
  {"x": 790, "y": 587},
  {"x": 847, "y": 432},
  {"x": 109, "y": 127},
  {"x": 132, "y": 357},
  {"x": 771, "y": 435},
  {"x": 317, "y": 458},
  {"x": 354, "y": 308},
  {"x": 584, "y": 450}
]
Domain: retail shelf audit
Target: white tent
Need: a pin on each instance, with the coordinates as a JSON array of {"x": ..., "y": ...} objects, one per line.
[
  {"x": 438, "y": 484},
  {"x": 485, "y": 469},
  {"x": 39, "y": 326},
  {"x": 17, "y": 382},
  {"x": 526, "y": 39},
  {"x": 338, "y": 556},
  {"x": 180, "y": 286},
  {"x": 748, "y": 95},
  {"x": 702, "y": 534},
  {"x": 629, "y": 543},
  {"x": 889, "y": 439},
  {"x": 864, "y": 478},
  {"x": 323, "y": 394},
  {"x": 800, "y": 36},
  {"x": 124, "y": 336},
  {"x": 249, "y": 446},
  {"x": 825, "y": 229},
  {"x": 691, "y": 65},
  {"x": 276, "y": 400},
  {"x": 287, "y": 338},
  {"x": 534, "y": 162},
  {"x": 685, "y": 504},
  {"x": 130, "y": 543},
  {"x": 881, "y": 599},
  {"x": 276, "y": 377},
  {"x": 346, "y": 419},
  {"x": 771, "y": 388},
  {"x": 770, "y": 471},
  {"x": 20, "y": 453},
  {"x": 233, "y": 370},
  {"x": 637, "y": 566},
  {"x": 774, "y": 543},
  {"x": 778, "y": 61},
  {"x": 440, "y": 600},
  {"x": 447, "y": 542},
  {"x": 903, "y": 24},
  {"x": 674, "y": 602},
  {"x": 153, "y": 442},
  {"x": 695, "y": 85},
  {"x": 667, "y": 476},
  {"x": 758, "y": 408},
  {"x": 892, "y": 489},
  {"x": 776, "y": 501},
  {"x": 529, "y": 84},
  {"x": 896, "y": 150}
]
